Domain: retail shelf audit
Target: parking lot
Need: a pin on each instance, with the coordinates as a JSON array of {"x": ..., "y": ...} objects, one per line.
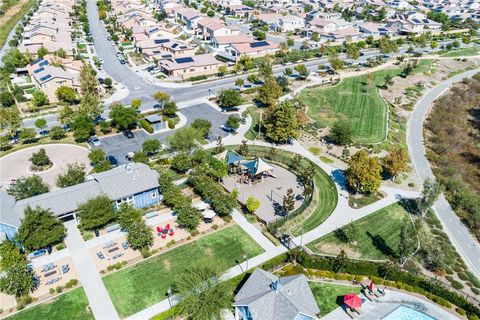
[{"x": 118, "y": 145}]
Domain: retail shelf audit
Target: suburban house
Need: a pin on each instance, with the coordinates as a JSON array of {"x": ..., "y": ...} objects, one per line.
[
  {"x": 374, "y": 29},
  {"x": 187, "y": 67},
  {"x": 202, "y": 26},
  {"x": 265, "y": 296},
  {"x": 178, "y": 49},
  {"x": 134, "y": 183},
  {"x": 290, "y": 23},
  {"x": 48, "y": 78},
  {"x": 252, "y": 49},
  {"x": 221, "y": 42},
  {"x": 240, "y": 10}
]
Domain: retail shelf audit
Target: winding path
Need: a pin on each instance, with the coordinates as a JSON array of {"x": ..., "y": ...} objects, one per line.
[{"x": 458, "y": 233}]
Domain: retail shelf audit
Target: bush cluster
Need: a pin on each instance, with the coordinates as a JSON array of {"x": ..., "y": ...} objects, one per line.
[{"x": 147, "y": 126}]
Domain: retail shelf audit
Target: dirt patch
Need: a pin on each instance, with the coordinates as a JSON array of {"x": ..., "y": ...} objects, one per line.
[
  {"x": 167, "y": 264},
  {"x": 10, "y": 12},
  {"x": 334, "y": 249},
  {"x": 208, "y": 252}
]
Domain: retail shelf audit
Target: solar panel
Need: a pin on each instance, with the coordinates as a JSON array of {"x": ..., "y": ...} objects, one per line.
[
  {"x": 174, "y": 45},
  {"x": 259, "y": 44},
  {"x": 416, "y": 21},
  {"x": 39, "y": 70},
  {"x": 43, "y": 63},
  {"x": 48, "y": 76},
  {"x": 36, "y": 61},
  {"x": 183, "y": 60},
  {"x": 159, "y": 41}
]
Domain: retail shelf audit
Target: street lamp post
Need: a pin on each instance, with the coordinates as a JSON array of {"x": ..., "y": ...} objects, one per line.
[
  {"x": 245, "y": 256},
  {"x": 169, "y": 293}
]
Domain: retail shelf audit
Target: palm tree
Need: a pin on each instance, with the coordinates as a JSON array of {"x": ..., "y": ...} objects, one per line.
[{"x": 202, "y": 295}]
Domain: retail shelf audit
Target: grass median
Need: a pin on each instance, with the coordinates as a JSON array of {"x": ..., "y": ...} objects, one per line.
[{"x": 144, "y": 284}]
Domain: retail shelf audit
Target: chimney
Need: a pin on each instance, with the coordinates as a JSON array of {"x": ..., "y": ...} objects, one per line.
[{"x": 276, "y": 286}]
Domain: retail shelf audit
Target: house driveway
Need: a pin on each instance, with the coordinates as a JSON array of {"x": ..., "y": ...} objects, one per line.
[{"x": 17, "y": 164}]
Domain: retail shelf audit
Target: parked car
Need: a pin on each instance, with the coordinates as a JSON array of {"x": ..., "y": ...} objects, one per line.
[
  {"x": 230, "y": 109},
  {"x": 227, "y": 128},
  {"x": 128, "y": 134},
  {"x": 101, "y": 80},
  {"x": 109, "y": 38},
  {"x": 157, "y": 106},
  {"x": 122, "y": 61},
  {"x": 113, "y": 161},
  {"x": 93, "y": 140}
]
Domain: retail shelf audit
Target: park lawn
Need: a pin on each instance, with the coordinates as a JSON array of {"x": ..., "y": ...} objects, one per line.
[
  {"x": 144, "y": 284},
  {"x": 355, "y": 101},
  {"x": 462, "y": 52},
  {"x": 70, "y": 305},
  {"x": 423, "y": 65},
  {"x": 378, "y": 239},
  {"x": 329, "y": 296}
]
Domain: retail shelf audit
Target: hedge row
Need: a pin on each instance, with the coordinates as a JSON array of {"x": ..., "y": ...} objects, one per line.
[
  {"x": 172, "y": 195},
  {"x": 380, "y": 271},
  {"x": 147, "y": 126}
]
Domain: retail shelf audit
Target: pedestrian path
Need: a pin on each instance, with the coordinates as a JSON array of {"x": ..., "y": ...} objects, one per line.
[
  {"x": 252, "y": 231},
  {"x": 98, "y": 298}
]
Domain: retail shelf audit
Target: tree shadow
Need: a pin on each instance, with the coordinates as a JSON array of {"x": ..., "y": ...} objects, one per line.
[
  {"x": 410, "y": 205},
  {"x": 379, "y": 243},
  {"x": 339, "y": 178}
]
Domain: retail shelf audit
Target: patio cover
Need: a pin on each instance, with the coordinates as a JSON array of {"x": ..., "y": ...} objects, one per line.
[
  {"x": 257, "y": 166},
  {"x": 208, "y": 214},
  {"x": 202, "y": 205},
  {"x": 232, "y": 157}
]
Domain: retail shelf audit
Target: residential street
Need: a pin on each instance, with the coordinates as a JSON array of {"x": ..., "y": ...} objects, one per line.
[{"x": 461, "y": 238}]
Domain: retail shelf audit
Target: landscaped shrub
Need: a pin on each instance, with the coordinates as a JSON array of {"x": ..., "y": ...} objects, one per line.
[
  {"x": 147, "y": 126},
  {"x": 197, "y": 78},
  {"x": 460, "y": 311}
]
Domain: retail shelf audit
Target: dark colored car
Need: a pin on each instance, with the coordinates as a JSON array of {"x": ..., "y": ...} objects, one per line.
[
  {"x": 113, "y": 161},
  {"x": 227, "y": 128},
  {"x": 157, "y": 106},
  {"x": 128, "y": 134}
]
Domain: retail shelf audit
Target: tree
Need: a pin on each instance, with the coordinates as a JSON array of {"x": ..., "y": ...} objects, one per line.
[
  {"x": 387, "y": 80},
  {"x": 430, "y": 193},
  {"x": 340, "y": 262},
  {"x": 66, "y": 94},
  {"x": 27, "y": 134},
  {"x": 269, "y": 92},
  {"x": 141, "y": 156},
  {"x": 41, "y": 124},
  {"x": 252, "y": 204},
  {"x": 210, "y": 13},
  {"x": 253, "y": 78},
  {"x": 315, "y": 37},
  {"x": 136, "y": 104},
  {"x": 433, "y": 45},
  {"x": 39, "y": 229},
  {"x": 108, "y": 82},
  {"x": 88, "y": 80},
  {"x": 243, "y": 150},
  {"x": 10, "y": 120},
  {"x": 302, "y": 71},
  {"x": 239, "y": 82},
  {"x": 90, "y": 106},
  {"x": 40, "y": 158},
  {"x": 61, "y": 53},
  {"x": 66, "y": 115},
  {"x": 96, "y": 213},
  {"x": 26, "y": 187},
  {"x": 127, "y": 215},
  {"x": 18, "y": 280},
  {"x": 151, "y": 146},
  {"x": 202, "y": 294},
  {"x": 102, "y": 166},
  {"x": 96, "y": 155},
  {"x": 219, "y": 148},
  {"x": 83, "y": 127},
  {"x": 42, "y": 51},
  {"x": 395, "y": 162},
  {"x": 140, "y": 235},
  {"x": 7, "y": 99},
  {"x": 181, "y": 162},
  {"x": 335, "y": 62},
  {"x": 74, "y": 174},
  {"x": 341, "y": 133},
  {"x": 288, "y": 201},
  {"x": 123, "y": 117},
  {"x": 11, "y": 255},
  {"x": 57, "y": 133},
  {"x": 229, "y": 98},
  {"x": 39, "y": 98},
  {"x": 281, "y": 123},
  {"x": 352, "y": 51},
  {"x": 161, "y": 97},
  {"x": 189, "y": 217},
  {"x": 408, "y": 241},
  {"x": 350, "y": 233},
  {"x": 387, "y": 46},
  {"x": 288, "y": 71},
  {"x": 169, "y": 109},
  {"x": 233, "y": 122},
  {"x": 183, "y": 139},
  {"x": 363, "y": 173},
  {"x": 290, "y": 42},
  {"x": 222, "y": 70},
  {"x": 203, "y": 126}
]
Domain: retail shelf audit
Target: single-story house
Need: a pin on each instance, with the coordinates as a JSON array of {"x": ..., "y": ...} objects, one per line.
[
  {"x": 134, "y": 183},
  {"x": 187, "y": 67},
  {"x": 253, "y": 49}
]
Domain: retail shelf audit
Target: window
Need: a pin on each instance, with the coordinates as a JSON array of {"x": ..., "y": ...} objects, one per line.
[{"x": 154, "y": 195}]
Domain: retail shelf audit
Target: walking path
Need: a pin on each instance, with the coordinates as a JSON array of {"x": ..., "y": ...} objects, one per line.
[
  {"x": 460, "y": 236},
  {"x": 252, "y": 231},
  {"x": 98, "y": 298}
]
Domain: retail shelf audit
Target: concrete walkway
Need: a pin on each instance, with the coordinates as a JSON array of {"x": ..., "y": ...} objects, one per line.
[
  {"x": 465, "y": 243},
  {"x": 98, "y": 298},
  {"x": 252, "y": 231}
]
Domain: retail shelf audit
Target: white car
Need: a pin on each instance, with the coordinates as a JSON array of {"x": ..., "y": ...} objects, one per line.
[{"x": 95, "y": 141}]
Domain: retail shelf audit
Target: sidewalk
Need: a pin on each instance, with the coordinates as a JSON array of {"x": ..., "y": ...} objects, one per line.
[
  {"x": 252, "y": 231},
  {"x": 98, "y": 298}
]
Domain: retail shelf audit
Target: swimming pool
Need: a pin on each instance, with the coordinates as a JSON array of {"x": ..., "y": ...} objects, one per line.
[{"x": 406, "y": 313}]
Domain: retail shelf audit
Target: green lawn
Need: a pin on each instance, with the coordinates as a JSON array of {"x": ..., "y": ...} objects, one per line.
[
  {"x": 10, "y": 24},
  {"x": 329, "y": 296},
  {"x": 71, "y": 305},
  {"x": 324, "y": 199},
  {"x": 462, "y": 52},
  {"x": 423, "y": 65},
  {"x": 354, "y": 99},
  {"x": 379, "y": 235},
  {"x": 137, "y": 287}
]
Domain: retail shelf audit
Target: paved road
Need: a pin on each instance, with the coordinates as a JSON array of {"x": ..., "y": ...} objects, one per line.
[
  {"x": 458, "y": 233},
  {"x": 97, "y": 294}
]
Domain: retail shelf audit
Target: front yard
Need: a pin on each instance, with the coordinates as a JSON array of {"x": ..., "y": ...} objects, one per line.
[{"x": 142, "y": 285}]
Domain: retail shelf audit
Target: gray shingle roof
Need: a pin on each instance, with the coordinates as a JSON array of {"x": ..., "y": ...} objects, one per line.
[
  {"x": 292, "y": 297},
  {"x": 117, "y": 183}
]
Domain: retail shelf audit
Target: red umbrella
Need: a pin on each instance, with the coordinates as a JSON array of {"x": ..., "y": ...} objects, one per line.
[
  {"x": 352, "y": 300},
  {"x": 370, "y": 286}
]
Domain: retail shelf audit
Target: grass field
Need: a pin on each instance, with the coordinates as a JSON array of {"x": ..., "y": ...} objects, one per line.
[
  {"x": 10, "y": 24},
  {"x": 462, "y": 52},
  {"x": 378, "y": 236},
  {"x": 355, "y": 100},
  {"x": 423, "y": 65},
  {"x": 71, "y": 305},
  {"x": 137, "y": 287},
  {"x": 324, "y": 199},
  {"x": 329, "y": 296}
]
